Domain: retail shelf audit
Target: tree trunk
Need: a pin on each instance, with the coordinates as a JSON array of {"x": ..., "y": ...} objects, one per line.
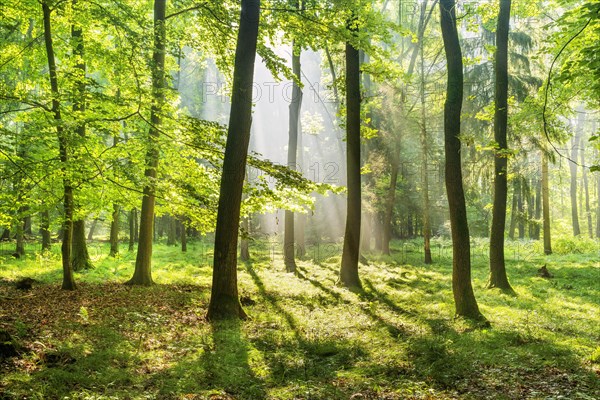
[
  {"x": 538, "y": 208},
  {"x": 389, "y": 209},
  {"x": 598, "y": 205},
  {"x": 45, "y": 230},
  {"x": 132, "y": 224},
  {"x": 464, "y": 298},
  {"x": 531, "y": 209},
  {"x": 136, "y": 226},
  {"x": 183, "y": 237},
  {"x": 514, "y": 209},
  {"x": 573, "y": 169},
  {"x": 90, "y": 235},
  {"x": 349, "y": 268},
  {"x": 27, "y": 225},
  {"x": 586, "y": 191},
  {"x": 79, "y": 256},
  {"x": 224, "y": 299},
  {"x": 114, "y": 231},
  {"x": 546, "y": 206},
  {"x": 20, "y": 246},
  {"x": 379, "y": 228},
  {"x": 289, "y": 252},
  {"x": 143, "y": 262},
  {"x": 68, "y": 280},
  {"x": 171, "y": 230},
  {"x": 521, "y": 208},
  {"x": 425, "y": 159},
  {"x": 245, "y": 242}
]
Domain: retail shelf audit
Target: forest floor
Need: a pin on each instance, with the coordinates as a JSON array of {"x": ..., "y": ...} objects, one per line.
[{"x": 307, "y": 337}]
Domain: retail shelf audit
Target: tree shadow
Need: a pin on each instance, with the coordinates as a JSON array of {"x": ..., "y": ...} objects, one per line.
[{"x": 224, "y": 366}]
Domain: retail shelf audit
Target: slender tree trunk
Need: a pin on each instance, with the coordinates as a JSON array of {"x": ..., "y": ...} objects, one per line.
[
  {"x": 349, "y": 268},
  {"x": 136, "y": 226},
  {"x": 531, "y": 209},
  {"x": 20, "y": 245},
  {"x": 27, "y": 225},
  {"x": 68, "y": 280},
  {"x": 224, "y": 299},
  {"x": 521, "y": 210},
  {"x": 114, "y": 231},
  {"x": 586, "y": 190},
  {"x": 538, "y": 208},
  {"x": 598, "y": 205},
  {"x": 143, "y": 262},
  {"x": 171, "y": 230},
  {"x": 183, "y": 236},
  {"x": 90, "y": 235},
  {"x": 514, "y": 209},
  {"x": 546, "y": 206},
  {"x": 464, "y": 298},
  {"x": 389, "y": 208},
  {"x": 289, "y": 252},
  {"x": 573, "y": 169},
  {"x": 300, "y": 225},
  {"x": 245, "y": 242},
  {"x": 131, "y": 229},
  {"x": 45, "y": 230},
  {"x": 425, "y": 162},
  {"x": 79, "y": 256}
]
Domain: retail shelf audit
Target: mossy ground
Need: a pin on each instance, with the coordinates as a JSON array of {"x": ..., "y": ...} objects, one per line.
[{"x": 307, "y": 337}]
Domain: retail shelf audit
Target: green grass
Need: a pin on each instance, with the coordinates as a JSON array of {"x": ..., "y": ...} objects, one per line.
[{"x": 307, "y": 337}]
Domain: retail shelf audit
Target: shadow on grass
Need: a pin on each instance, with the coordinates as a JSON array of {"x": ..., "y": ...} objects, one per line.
[
  {"x": 223, "y": 367},
  {"x": 310, "y": 362}
]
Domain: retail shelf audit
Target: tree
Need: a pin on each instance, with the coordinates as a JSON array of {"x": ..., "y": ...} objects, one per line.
[
  {"x": 574, "y": 158},
  {"x": 114, "y": 231},
  {"x": 498, "y": 278},
  {"x": 546, "y": 205},
  {"x": 464, "y": 298},
  {"x": 349, "y": 268},
  {"x": 224, "y": 299},
  {"x": 80, "y": 257},
  {"x": 143, "y": 262},
  {"x": 63, "y": 144},
  {"x": 294, "y": 122}
]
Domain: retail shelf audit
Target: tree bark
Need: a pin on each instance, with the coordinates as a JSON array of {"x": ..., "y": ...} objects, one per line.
[
  {"x": 245, "y": 242},
  {"x": 586, "y": 190},
  {"x": 143, "y": 262},
  {"x": 45, "y": 230},
  {"x": 538, "y": 208},
  {"x": 132, "y": 224},
  {"x": 464, "y": 298},
  {"x": 92, "y": 230},
  {"x": 424, "y": 158},
  {"x": 63, "y": 147},
  {"x": 289, "y": 251},
  {"x": 350, "y": 254},
  {"x": 514, "y": 209},
  {"x": 521, "y": 208},
  {"x": 80, "y": 256},
  {"x": 171, "y": 230},
  {"x": 224, "y": 299},
  {"x": 114, "y": 231},
  {"x": 183, "y": 236},
  {"x": 498, "y": 277},
  {"x": 573, "y": 170},
  {"x": 546, "y": 206}
]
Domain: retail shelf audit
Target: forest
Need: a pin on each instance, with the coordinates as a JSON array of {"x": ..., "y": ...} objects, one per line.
[{"x": 299, "y": 199}]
